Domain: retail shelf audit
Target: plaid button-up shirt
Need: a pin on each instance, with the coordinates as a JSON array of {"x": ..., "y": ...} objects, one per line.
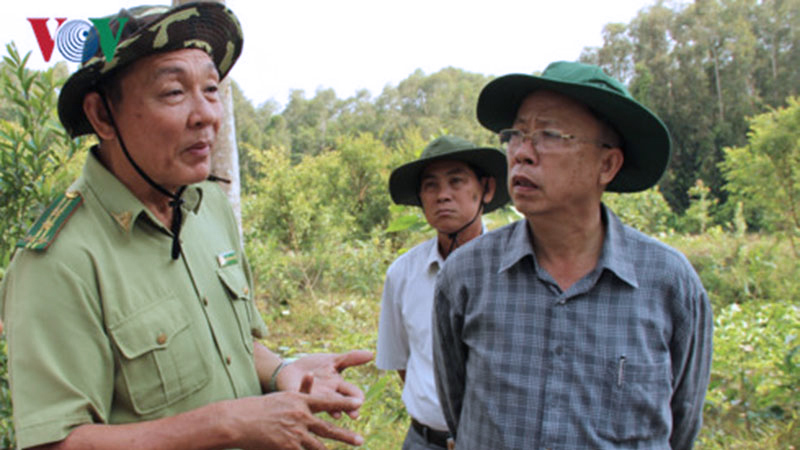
[{"x": 619, "y": 360}]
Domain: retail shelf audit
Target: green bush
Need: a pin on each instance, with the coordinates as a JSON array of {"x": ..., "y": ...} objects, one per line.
[
  {"x": 647, "y": 211},
  {"x": 753, "y": 394},
  {"x": 765, "y": 174},
  {"x": 743, "y": 268},
  {"x": 7, "y": 439}
]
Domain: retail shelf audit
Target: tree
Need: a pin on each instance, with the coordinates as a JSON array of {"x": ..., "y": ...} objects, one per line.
[
  {"x": 765, "y": 173},
  {"x": 704, "y": 67}
]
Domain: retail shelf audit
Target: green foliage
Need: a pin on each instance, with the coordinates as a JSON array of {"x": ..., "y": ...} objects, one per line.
[
  {"x": 753, "y": 395},
  {"x": 342, "y": 321},
  {"x": 704, "y": 67},
  {"x": 316, "y": 211},
  {"x": 340, "y": 193},
  {"x": 428, "y": 105},
  {"x": 33, "y": 147},
  {"x": 743, "y": 269},
  {"x": 697, "y": 217},
  {"x": 7, "y": 439},
  {"x": 647, "y": 211},
  {"x": 765, "y": 174}
]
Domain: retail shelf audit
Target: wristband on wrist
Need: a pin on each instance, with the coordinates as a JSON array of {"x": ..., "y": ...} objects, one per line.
[{"x": 273, "y": 380}]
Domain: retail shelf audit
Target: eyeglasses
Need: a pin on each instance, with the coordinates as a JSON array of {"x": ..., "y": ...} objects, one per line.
[{"x": 542, "y": 140}]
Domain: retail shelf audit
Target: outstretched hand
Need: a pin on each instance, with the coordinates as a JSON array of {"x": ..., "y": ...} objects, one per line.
[
  {"x": 287, "y": 420},
  {"x": 321, "y": 375}
]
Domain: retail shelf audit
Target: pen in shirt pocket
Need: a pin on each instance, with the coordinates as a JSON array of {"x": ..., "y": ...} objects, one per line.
[{"x": 621, "y": 371}]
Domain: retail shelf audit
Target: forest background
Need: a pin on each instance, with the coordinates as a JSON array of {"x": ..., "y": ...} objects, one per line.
[{"x": 320, "y": 229}]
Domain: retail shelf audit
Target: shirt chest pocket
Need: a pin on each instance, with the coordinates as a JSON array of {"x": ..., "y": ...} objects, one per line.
[
  {"x": 238, "y": 290},
  {"x": 635, "y": 399},
  {"x": 160, "y": 361}
]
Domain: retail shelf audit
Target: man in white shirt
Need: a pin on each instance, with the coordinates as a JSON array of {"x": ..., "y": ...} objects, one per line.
[{"x": 454, "y": 182}]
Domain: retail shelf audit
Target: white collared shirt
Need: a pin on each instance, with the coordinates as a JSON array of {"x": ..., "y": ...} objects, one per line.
[{"x": 404, "y": 332}]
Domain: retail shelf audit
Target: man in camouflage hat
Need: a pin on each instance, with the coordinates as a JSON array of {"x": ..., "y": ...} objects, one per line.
[
  {"x": 129, "y": 306},
  {"x": 454, "y": 182}
]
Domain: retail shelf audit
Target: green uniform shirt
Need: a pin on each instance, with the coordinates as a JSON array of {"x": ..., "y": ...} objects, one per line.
[{"x": 104, "y": 326}]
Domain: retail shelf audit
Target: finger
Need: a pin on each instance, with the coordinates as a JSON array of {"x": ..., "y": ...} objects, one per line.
[
  {"x": 306, "y": 383},
  {"x": 350, "y": 390},
  {"x": 309, "y": 442},
  {"x": 331, "y": 403},
  {"x": 352, "y": 358},
  {"x": 328, "y": 430}
]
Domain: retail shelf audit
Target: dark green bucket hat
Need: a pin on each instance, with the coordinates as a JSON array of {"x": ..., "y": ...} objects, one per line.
[
  {"x": 645, "y": 140},
  {"x": 147, "y": 30},
  {"x": 405, "y": 180}
]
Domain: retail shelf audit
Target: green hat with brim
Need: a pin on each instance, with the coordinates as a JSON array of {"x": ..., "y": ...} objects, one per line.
[
  {"x": 147, "y": 30},
  {"x": 404, "y": 181},
  {"x": 646, "y": 142}
]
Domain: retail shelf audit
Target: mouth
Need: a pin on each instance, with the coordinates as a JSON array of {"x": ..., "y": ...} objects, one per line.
[
  {"x": 523, "y": 183},
  {"x": 199, "y": 148}
]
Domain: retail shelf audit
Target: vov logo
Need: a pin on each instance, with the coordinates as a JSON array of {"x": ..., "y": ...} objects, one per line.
[{"x": 71, "y": 35}]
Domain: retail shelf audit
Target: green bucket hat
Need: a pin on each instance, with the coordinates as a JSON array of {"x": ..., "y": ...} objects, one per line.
[
  {"x": 645, "y": 140},
  {"x": 404, "y": 180},
  {"x": 147, "y": 30}
]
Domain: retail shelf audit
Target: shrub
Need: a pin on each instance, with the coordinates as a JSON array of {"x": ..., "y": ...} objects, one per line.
[
  {"x": 753, "y": 395},
  {"x": 647, "y": 211}
]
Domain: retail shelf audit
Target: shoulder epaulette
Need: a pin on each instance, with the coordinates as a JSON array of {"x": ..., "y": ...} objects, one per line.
[{"x": 47, "y": 226}]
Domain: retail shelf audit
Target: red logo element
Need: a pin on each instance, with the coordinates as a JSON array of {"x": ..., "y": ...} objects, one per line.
[{"x": 46, "y": 41}]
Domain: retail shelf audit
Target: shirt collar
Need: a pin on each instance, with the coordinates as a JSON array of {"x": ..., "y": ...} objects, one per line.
[
  {"x": 613, "y": 256},
  {"x": 519, "y": 246},
  {"x": 123, "y": 207},
  {"x": 434, "y": 259},
  {"x": 616, "y": 252}
]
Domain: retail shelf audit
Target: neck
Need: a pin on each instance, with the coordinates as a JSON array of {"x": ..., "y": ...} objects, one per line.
[
  {"x": 568, "y": 249},
  {"x": 114, "y": 160},
  {"x": 467, "y": 234}
]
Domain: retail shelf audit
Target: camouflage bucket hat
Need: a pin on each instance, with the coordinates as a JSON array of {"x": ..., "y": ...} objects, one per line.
[
  {"x": 405, "y": 180},
  {"x": 147, "y": 30},
  {"x": 646, "y": 143}
]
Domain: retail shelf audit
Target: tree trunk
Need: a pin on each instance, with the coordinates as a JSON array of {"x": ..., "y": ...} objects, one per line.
[
  {"x": 718, "y": 82},
  {"x": 225, "y": 158}
]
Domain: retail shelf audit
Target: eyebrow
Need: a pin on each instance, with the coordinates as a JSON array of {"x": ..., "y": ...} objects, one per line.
[
  {"x": 453, "y": 171},
  {"x": 538, "y": 121},
  {"x": 179, "y": 70}
]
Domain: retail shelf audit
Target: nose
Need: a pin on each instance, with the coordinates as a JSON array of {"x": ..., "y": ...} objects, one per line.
[
  {"x": 524, "y": 153},
  {"x": 444, "y": 194},
  {"x": 206, "y": 110}
]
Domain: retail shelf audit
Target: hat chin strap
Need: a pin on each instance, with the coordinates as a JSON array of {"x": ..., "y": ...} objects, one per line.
[
  {"x": 452, "y": 236},
  {"x": 175, "y": 198}
]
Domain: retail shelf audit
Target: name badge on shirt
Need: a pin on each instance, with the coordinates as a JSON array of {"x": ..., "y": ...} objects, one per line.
[{"x": 227, "y": 258}]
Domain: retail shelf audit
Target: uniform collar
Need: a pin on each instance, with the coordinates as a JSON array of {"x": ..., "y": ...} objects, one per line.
[
  {"x": 123, "y": 207},
  {"x": 614, "y": 255}
]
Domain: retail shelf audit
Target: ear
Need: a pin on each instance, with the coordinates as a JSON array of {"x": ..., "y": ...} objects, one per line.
[
  {"x": 610, "y": 165},
  {"x": 97, "y": 114},
  {"x": 489, "y": 185}
]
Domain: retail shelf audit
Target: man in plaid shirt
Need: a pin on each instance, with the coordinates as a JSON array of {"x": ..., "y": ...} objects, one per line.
[{"x": 568, "y": 329}]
